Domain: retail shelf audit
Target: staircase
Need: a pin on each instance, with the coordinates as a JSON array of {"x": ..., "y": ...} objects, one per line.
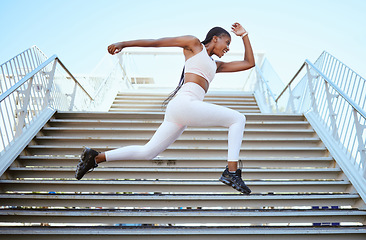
[{"x": 298, "y": 190}]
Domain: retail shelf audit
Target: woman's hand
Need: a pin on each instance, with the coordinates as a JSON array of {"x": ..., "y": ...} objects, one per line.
[
  {"x": 115, "y": 48},
  {"x": 238, "y": 29}
]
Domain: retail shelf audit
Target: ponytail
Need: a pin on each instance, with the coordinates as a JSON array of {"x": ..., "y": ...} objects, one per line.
[
  {"x": 216, "y": 31},
  {"x": 172, "y": 94}
]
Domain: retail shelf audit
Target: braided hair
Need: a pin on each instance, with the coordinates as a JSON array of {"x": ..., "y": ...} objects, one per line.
[{"x": 216, "y": 31}]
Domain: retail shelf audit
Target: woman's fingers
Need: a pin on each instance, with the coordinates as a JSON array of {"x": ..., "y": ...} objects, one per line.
[{"x": 112, "y": 49}]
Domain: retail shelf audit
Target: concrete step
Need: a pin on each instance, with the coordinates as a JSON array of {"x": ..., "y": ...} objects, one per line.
[
  {"x": 131, "y": 123},
  {"x": 192, "y": 151},
  {"x": 116, "y": 142},
  {"x": 110, "y": 132},
  {"x": 258, "y": 201},
  {"x": 158, "y": 102},
  {"x": 184, "y": 232},
  {"x": 159, "y": 106},
  {"x": 163, "y": 162},
  {"x": 172, "y": 186},
  {"x": 163, "y": 96},
  {"x": 174, "y": 173},
  {"x": 172, "y": 216},
  {"x": 160, "y": 110},
  {"x": 157, "y": 116}
]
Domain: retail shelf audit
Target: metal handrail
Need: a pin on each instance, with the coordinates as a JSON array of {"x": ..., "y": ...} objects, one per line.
[
  {"x": 73, "y": 78},
  {"x": 34, "y": 72},
  {"x": 288, "y": 85},
  {"x": 337, "y": 89}
]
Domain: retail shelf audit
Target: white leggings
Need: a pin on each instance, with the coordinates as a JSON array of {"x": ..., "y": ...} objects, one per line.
[{"x": 186, "y": 109}]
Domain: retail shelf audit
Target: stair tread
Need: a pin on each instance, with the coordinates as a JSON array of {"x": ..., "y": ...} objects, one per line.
[
  {"x": 179, "y": 196},
  {"x": 174, "y": 170},
  {"x": 183, "y": 212},
  {"x": 184, "y": 231},
  {"x": 248, "y": 122},
  {"x": 176, "y": 182},
  {"x": 201, "y": 158},
  {"x": 154, "y": 129},
  {"x": 183, "y": 138},
  {"x": 184, "y": 147}
]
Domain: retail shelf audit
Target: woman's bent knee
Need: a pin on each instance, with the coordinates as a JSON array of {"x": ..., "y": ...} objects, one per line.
[{"x": 240, "y": 119}]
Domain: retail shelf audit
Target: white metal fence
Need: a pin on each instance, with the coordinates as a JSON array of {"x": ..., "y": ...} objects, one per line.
[
  {"x": 333, "y": 97},
  {"x": 33, "y": 88},
  {"x": 47, "y": 85}
]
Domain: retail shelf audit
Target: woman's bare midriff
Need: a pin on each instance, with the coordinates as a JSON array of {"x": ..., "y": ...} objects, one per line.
[{"x": 191, "y": 77}]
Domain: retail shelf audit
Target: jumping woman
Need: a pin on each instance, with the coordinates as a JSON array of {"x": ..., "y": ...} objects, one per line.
[{"x": 187, "y": 107}]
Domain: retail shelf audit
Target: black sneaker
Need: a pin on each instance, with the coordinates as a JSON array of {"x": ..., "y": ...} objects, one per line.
[
  {"x": 234, "y": 180},
  {"x": 87, "y": 162}
]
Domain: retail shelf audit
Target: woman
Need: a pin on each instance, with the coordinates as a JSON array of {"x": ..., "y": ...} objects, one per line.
[{"x": 188, "y": 108}]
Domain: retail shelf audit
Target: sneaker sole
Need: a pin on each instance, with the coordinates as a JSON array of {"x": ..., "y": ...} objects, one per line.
[{"x": 230, "y": 184}]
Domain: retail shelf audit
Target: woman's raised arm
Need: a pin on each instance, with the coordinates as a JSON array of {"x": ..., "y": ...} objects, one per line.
[
  {"x": 248, "y": 61},
  {"x": 186, "y": 42}
]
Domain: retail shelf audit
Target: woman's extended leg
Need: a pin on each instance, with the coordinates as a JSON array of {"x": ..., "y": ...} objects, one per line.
[{"x": 165, "y": 135}]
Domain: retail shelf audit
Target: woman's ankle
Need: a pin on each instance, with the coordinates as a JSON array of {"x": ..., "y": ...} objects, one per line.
[
  {"x": 100, "y": 158},
  {"x": 232, "y": 166}
]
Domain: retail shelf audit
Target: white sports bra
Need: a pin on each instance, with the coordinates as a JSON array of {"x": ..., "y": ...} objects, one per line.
[{"x": 202, "y": 65}]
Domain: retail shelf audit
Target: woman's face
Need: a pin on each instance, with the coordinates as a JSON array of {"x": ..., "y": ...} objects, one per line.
[{"x": 222, "y": 44}]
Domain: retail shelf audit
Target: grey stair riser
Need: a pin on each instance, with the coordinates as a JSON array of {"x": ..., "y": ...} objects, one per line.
[
  {"x": 157, "y": 123},
  {"x": 159, "y": 104},
  {"x": 187, "y": 152},
  {"x": 165, "y": 233},
  {"x": 148, "y": 133},
  {"x": 158, "y": 110},
  {"x": 193, "y": 162},
  {"x": 156, "y": 174},
  {"x": 194, "y": 201},
  {"x": 208, "y": 95},
  {"x": 181, "y": 216},
  {"x": 157, "y": 116},
  {"x": 248, "y": 143},
  {"x": 174, "y": 187}
]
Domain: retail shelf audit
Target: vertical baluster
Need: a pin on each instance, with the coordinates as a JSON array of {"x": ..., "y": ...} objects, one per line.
[
  {"x": 73, "y": 97},
  {"x": 24, "y": 107},
  {"x": 361, "y": 145},
  {"x": 49, "y": 85},
  {"x": 311, "y": 90},
  {"x": 12, "y": 99},
  {"x": 4, "y": 125}
]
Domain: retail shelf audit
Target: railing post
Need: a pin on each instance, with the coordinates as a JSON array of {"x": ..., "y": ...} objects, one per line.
[
  {"x": 290, "y": 102},
  {"x": 73, "y": 95},
  {"x": 361, "y": 145},
  {"x": 332, "y": 115},
  {"x": 23, "y": 110},
  {"x": 51, "y": 76},
  {"x": 312, "y": 92}
]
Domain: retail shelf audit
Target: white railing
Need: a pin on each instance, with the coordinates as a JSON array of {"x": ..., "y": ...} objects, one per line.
[
  {"x": 163, "y": 68},
  {"x": 332, "y": 97},
  {"x": 33, "y": 97},
  {"x": 16, "y": 68}
]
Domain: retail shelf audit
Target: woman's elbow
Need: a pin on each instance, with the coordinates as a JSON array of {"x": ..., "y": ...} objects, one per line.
[{"x": 252, "y": 64}]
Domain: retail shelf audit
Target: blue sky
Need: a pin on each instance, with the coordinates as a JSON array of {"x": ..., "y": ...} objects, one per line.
[{"x": 288, "y": 31}]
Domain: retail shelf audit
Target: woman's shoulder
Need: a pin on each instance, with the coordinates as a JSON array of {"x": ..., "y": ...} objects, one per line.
[{"x": 194, "y": 46}]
